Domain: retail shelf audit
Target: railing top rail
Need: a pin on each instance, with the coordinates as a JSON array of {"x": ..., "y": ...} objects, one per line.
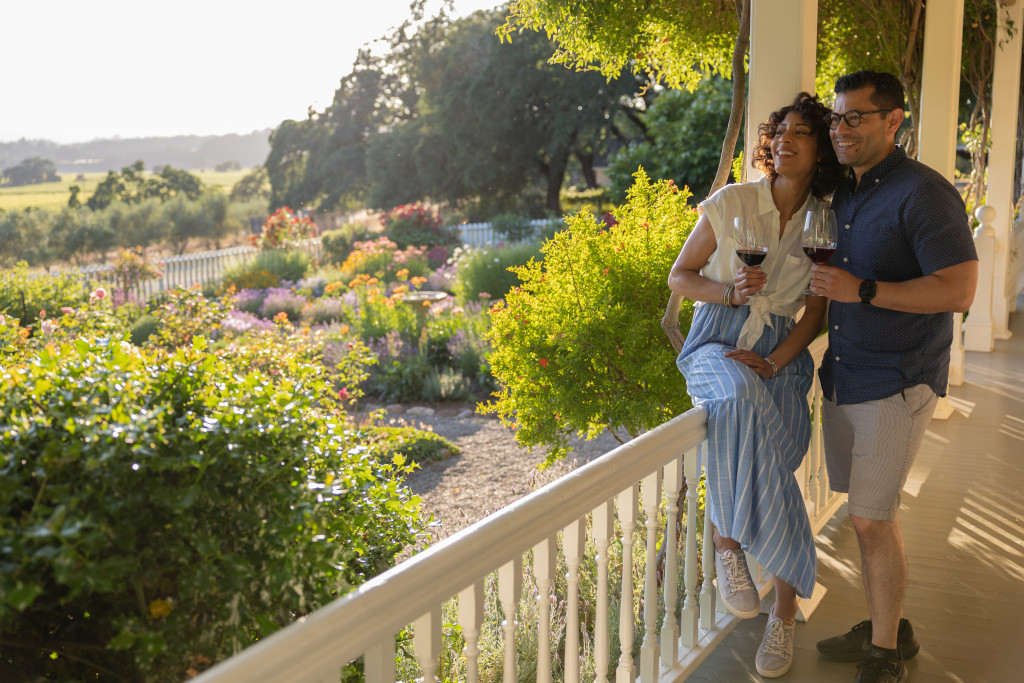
[{"x": 350, "y": 625}]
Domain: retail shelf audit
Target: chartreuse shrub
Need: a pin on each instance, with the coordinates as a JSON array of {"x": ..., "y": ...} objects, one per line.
[
  {"x": 165, "y": 508},
  {"x": 578, "y": 347}
]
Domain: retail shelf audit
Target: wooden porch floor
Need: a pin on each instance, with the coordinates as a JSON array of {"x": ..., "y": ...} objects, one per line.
[{"x": 963, "y": 522}]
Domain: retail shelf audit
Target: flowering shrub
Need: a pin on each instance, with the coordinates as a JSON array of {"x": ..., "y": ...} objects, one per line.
[
  {"x": 578, "y": 347},
  {"x": 326, "y": 310},
  {"x": 383, "y": 259},
  {"x": 282, "y": 300},
  {"x": 284, "y": 229},
  {"x": 414, "y": 225},
  {"x": 239, "y": 322},
  {"x": 184, "y": 314},
  {"x": 131, "y": 267},
  {"x": 248, "y": 300}
]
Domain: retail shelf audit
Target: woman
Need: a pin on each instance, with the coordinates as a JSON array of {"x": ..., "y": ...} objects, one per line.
[{"x": 745, "y": 359}]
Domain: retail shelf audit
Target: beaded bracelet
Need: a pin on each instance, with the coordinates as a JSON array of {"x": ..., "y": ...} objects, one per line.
[{"x": 775, "y": 368}]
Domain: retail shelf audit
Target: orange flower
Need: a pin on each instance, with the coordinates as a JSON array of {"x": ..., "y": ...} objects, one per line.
[{"x": 543, "y": 363}]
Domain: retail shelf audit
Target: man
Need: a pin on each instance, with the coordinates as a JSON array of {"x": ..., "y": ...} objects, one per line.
[{"x": 905, "y": 262}]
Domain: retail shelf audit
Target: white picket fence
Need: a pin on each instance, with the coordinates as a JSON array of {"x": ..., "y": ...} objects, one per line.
[
  {"x": 640, "y": 476},
  {"x": 188, "y": 270},
  {"x": 482, "y": 234}
]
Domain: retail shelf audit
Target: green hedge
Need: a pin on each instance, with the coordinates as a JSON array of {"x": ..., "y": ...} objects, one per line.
[{"x": 164, "y": 509}]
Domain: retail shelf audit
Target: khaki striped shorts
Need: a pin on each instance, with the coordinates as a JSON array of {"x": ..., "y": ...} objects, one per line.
[{"x": 870, "y": 448}]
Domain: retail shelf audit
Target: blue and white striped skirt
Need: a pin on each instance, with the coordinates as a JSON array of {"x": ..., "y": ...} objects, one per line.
[{"x": 758, "y": 433}]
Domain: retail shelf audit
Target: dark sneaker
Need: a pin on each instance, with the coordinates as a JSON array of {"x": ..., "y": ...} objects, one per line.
[
  {"x": 879, "y": 666},
  {"x": 851, "y": 646}
]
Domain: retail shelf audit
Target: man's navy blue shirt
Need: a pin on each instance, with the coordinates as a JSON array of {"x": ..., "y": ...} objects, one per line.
[{"x": 902, "y": 221}]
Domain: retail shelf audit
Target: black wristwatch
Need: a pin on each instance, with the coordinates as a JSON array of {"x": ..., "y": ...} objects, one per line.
[{"x": 868, "y": 288}]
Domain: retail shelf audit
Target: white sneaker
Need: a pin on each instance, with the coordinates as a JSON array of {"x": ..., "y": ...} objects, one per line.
[
  {"x": 775, "y": 655},
  {"x": 735, "y": 585}
]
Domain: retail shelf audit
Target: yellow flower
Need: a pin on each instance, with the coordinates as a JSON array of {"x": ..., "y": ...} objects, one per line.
[{"x": 161, "y": 607}]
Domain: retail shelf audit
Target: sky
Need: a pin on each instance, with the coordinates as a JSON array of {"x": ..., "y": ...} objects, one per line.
[{"x": 77, "y": 71}]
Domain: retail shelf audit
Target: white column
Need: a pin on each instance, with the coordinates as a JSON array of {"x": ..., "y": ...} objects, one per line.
[
  {"x": 979, "y": 330},
  {"x": 782, "y": 59},
  {"x": 1005, "y": 82},
  {"x": 937, "y": 130}
]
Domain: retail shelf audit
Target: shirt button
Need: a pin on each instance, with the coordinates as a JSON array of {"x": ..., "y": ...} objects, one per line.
[
  {"x": 876, "y": 180},
  {"x": 836, "y": 327},
  {"x": 847, "y": 226},
  {"x": 837, "y": 359},
  {"x": 846, "y": 260}
]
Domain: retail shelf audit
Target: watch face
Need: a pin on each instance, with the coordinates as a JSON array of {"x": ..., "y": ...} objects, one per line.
[{"x": 867, "y": 291}]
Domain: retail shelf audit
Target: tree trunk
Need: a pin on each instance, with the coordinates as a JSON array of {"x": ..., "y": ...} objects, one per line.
[
  {"x": 555, "y": 172},
  {"x": 586, "y": 160},
  {"x": 739, "y": 83}
]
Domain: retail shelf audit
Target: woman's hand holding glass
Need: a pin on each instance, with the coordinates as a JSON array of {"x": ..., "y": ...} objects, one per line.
[{"x": 752, "y": 240}]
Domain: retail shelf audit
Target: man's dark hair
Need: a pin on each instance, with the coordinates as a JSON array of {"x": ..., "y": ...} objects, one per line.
[{"x": 888, "y": 92}]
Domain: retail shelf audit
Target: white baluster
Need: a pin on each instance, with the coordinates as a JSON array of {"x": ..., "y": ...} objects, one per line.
[
  {"x": 510, "y": 585},
  {"x": 544, "y": 559},
  {"x": 819, "y": 481},
  {"x": 601, "y": 522},
  {"x": 427, "y": 638},
  {"x": 708, "y": 597},
  {"x": 627, "y": 501},
  {"x": 691, "y": 609},
  {"x": 379, "y": 663},
  {"x": 670, "y": 625},
  {"x": 471, "y": 617},
  {"x": 651, "y": 492},
  {"x": 574, "y": 539},
  {"x": 980, "y": 328}
]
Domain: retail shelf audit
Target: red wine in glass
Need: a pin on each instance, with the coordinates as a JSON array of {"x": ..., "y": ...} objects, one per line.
[
  {"x": 752, "y": 257},
  {"x": 819, "y": 255},
  {"x": 819, "y": 236}
]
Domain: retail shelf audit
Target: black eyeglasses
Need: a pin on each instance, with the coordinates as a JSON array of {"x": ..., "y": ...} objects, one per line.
[{"x": 851, "y": 117}]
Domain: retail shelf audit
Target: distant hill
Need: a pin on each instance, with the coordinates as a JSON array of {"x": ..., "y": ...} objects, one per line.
[{"x": 189, "y": 152}]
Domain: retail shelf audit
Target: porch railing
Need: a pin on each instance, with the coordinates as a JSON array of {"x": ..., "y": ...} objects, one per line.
[{"x": 629, "y": 484}]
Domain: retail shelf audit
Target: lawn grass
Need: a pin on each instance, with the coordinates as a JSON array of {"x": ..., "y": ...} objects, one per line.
[{"x": 54, "y": 196}]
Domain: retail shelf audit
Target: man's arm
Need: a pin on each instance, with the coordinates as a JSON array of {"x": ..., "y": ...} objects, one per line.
[{"x": 946, "y": 290}]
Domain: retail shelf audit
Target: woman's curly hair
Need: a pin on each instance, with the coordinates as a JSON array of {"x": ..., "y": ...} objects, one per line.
[{"x": 829, "y": 172}]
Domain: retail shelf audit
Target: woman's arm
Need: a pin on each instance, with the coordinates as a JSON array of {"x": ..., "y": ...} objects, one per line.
[
  {"x": 685, "y": 278},
  {"x": 803, "y": 333}
]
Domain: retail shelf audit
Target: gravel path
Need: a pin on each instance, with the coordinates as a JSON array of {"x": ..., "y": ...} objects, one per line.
[{"x": 491, "y": 470}]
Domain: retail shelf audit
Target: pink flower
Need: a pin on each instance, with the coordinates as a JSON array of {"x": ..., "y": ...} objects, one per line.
[
  {"x": 484, "y": 295},
  {"x": 67, "y": 310},
  {"x": 42, "y": 313},
  {"x": 343, "y": 394},
  {"x": 98, "y": 294}
]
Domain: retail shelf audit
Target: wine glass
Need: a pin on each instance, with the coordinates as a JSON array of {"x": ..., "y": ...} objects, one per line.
[
  {"x": 752, "y": 240},
  {"x": 819, "y": 237}
]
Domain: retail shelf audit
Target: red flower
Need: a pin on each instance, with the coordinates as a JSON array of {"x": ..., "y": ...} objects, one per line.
[{"x": 543, "y": 363}]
